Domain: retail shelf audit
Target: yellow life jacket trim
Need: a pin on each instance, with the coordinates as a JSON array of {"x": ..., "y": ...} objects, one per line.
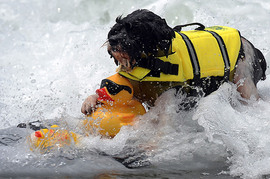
[{"x": 208, "y": 53}]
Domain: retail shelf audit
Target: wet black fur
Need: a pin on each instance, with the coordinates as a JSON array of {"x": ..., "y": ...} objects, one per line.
[{"x": 141, "y": 32}]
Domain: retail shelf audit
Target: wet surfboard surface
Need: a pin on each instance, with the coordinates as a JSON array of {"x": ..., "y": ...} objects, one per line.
[{"x": 12, "y": 136}]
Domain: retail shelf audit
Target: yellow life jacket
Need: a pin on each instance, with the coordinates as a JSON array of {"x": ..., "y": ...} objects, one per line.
[{"x": 195, "y": 54}]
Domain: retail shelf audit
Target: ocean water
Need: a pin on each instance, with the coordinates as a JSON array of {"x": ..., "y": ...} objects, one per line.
[{"x": 52, "y": 58}]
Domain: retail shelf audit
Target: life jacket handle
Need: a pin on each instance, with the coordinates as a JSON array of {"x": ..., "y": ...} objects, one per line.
[{"x": 178, "y": 28}]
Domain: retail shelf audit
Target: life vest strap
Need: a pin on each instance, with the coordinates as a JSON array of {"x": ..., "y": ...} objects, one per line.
[
  {"x": 225, "y": 56},
  {"x": 193, "y": 57},
  {"x": 158, "y": 65}
]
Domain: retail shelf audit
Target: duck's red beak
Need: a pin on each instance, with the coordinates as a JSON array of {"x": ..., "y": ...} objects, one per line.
[
  {"x": 38, "y": 134},
  {"x": 103, "y": 95}
]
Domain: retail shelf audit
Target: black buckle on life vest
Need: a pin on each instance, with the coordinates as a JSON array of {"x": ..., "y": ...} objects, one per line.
[{"x": 155, "y": 64}]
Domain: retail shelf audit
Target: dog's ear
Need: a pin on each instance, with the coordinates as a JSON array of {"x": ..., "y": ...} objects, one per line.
[{"x": 119, "y": 19}]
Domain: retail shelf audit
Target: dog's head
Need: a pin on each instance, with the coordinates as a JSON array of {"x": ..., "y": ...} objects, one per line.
[{"x": 140, "y": 34}]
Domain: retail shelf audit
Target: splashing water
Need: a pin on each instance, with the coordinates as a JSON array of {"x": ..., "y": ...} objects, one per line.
[{"x": 52, "y": 58}]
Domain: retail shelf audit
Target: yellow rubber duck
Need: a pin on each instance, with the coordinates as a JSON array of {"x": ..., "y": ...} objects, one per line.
[{"x": 118, "y": 108}]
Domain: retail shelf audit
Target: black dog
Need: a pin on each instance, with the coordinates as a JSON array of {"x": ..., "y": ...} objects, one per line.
[
  {"x": 143, "y": 32},
  {"x": 143, "y": 45}
]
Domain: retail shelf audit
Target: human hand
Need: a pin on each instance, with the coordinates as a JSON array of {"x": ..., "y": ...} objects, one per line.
[{"x": 90, "y": 104}]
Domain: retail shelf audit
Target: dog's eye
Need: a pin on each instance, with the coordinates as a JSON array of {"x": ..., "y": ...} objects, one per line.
[{"x": 114, "y": 49}]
